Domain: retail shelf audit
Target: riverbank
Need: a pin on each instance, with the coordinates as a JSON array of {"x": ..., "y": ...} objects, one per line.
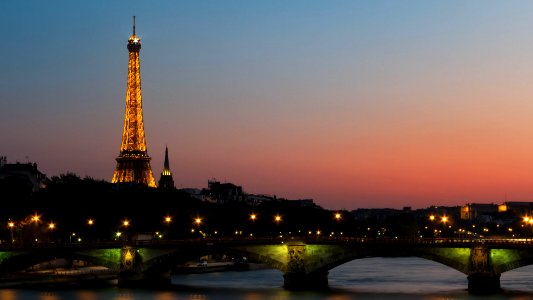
[{"x": 84, "y": 277}]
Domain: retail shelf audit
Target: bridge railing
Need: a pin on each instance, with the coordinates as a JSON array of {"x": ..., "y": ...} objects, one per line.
[{"x": 273, "y": 240}]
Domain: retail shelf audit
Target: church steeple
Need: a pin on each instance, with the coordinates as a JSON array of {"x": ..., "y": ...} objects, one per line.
[
  {"x": 166, "y": 181},
  {"x": 166, "y": 167}
]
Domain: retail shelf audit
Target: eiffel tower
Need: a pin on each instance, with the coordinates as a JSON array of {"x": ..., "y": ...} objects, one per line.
[{"x": 133, "y": 162}]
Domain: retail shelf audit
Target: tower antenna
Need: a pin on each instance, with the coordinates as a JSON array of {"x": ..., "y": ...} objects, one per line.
[{"x": 133, "y": 25}]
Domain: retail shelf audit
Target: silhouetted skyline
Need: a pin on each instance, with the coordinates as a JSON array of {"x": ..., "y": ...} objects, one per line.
[{"x": 350, "y": 103}]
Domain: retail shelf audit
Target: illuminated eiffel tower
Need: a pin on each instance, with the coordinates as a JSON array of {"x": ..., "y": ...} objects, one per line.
[{"x": 133, "y": 162}]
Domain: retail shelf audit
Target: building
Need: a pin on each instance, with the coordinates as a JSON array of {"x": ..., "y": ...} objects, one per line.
[
  {"x": 224, "y": 192},
  {"x": 520, "y": 209},
  {"x": 26, "y": 173},
  {"x": 166, "y": 181},
  {"x": 480, "y": 212},
  {"x": 133, "y": 162}
]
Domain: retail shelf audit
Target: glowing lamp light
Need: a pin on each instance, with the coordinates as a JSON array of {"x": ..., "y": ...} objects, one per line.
[{"x": 35, "y": 218}]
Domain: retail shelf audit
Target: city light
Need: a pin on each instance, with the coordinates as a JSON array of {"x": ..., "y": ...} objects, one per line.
[
  {"x": 277, "y": 218},
  {"x": 36, "y": 218}
]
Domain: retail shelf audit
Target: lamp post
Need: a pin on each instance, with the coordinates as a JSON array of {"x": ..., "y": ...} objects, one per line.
[
  {"x": 11, "y": 224},
  {"x": 51, "y": 227},
  {"x": 277, "y": 220},
  {"x": 253, "y": 217},
  {"x": 338, "y": 219},
  {"x": 35, "y": 219},
  {"x": 126, "y": 223},
  {"x": 528, "y": 221},
  {"x": 444, "y": 220},
  {"x": 167, "y": 221},
  {"x": 432, "y": 226},
  {"x": 197, "y": 222},
  {"x": 90, "y": 223}
]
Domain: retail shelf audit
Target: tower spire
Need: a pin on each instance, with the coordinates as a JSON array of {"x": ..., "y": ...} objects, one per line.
[
  {"x": 166, "y": 181},
  {"x": 167, "y": 165},
  {"x": 133, "y": 25}
]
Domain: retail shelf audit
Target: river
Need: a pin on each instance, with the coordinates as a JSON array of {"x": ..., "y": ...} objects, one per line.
[{"x": 371, "y": 278}]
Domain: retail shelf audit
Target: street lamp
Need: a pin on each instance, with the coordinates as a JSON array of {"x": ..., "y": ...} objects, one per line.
[
  {"x": 126, "y": 223},
  {"x": 444, "y": 220},
  {"x": 197, "y": 222},
  {"x": 90, "y": 235},
  {"x": 167, "y": 221},
  {"x": 51, "y": 227},
  {"x": 253, "y": 217},
  {"x": 11, "y": 224}
]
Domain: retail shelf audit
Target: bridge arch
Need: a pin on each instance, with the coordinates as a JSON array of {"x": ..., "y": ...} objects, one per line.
[{"x": 18, "y": 261}]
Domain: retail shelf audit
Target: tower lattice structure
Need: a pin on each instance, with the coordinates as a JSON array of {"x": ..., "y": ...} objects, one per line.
[{"x": 133, "y": 162}]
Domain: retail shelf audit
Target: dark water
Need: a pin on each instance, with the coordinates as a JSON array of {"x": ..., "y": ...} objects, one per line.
[{"x": 373, "y": 278}]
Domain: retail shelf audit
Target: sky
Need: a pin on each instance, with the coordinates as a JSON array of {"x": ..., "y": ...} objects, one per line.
[{"x": 353, "y": 104}]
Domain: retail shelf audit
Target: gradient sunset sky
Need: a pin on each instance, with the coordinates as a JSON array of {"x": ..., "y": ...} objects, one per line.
[{"x": 350, "y": 103}]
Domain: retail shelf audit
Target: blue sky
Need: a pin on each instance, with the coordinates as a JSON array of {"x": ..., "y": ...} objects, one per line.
[{"x": 351, "y": 103}]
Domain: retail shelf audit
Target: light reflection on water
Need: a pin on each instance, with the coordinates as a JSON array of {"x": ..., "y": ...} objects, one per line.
[{"x": 365, "y": 279}]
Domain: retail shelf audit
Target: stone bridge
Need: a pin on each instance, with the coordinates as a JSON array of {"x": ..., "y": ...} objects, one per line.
[{"x": 304, "y": 262}]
